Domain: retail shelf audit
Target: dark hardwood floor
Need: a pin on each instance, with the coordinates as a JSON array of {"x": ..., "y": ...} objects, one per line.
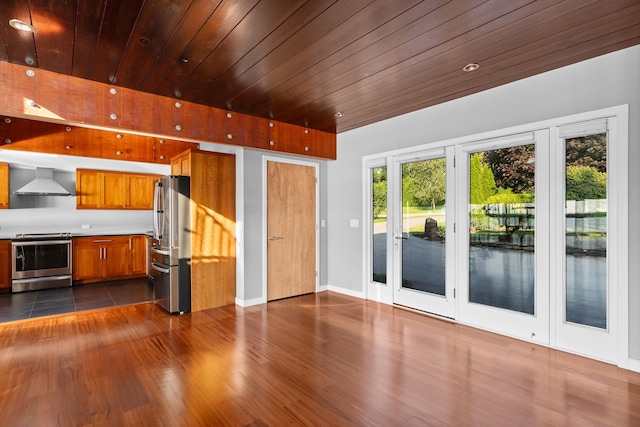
[{"x": 319, "y": 360}]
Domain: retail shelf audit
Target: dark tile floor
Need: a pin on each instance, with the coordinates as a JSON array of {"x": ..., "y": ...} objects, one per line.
[{"x": 25, "y": 305}]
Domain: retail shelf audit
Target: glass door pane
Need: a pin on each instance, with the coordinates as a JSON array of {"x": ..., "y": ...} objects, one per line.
[
  {"x": 379, "y": 224},
  {"x": 423, "y": 225},
  {"x": 586, "y": 231},
  {"x": 591, "y": 247},
  {"x": 502, "y": 228}
]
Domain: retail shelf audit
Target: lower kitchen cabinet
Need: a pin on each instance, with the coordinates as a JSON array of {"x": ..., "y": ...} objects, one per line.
[
  {"x": 102, "y": 258},
  {"x": 138, "y": 255},
  {"x": 5, "y": 265}
]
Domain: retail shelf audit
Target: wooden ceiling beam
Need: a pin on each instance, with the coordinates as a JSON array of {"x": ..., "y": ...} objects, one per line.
[{"x": 43, "y": 95}]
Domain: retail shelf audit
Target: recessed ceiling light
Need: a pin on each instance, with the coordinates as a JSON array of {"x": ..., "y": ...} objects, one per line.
[
  {"x": 339, "y": 114},
  {"x": 470, "y": 67},
  {"x": 21, "y": 25}
]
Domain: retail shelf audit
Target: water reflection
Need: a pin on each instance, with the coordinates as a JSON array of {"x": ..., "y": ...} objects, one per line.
[{"x": 496, "y": 270}]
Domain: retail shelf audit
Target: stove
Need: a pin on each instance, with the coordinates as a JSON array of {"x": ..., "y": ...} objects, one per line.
[
  {"x": 40, "y": 261},
  {"x": 42, "y": 236}
]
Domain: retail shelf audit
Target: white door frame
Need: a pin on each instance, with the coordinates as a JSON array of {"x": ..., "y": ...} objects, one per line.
[{"x": 376, "y": 291}]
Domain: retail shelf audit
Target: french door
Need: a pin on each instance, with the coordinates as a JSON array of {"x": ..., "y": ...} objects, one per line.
[
  {"x": 584, "y": 279},
  {"x": 503, "y": 230},
  {"x": 523, "y": 235},
  {"x": 423, "y": 232},
  {"x": 534, "y": 254}
]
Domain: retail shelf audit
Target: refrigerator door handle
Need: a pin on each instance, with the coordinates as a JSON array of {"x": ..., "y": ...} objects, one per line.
[
  {"x": 155, "y": 210},
  {"x": 155, "y": 250},
  {"x": 157, "y": 267},
  {"x": 158, "y": 206}
]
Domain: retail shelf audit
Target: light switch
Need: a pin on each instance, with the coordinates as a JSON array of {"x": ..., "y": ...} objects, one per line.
[{"x": 354, "y": 223}]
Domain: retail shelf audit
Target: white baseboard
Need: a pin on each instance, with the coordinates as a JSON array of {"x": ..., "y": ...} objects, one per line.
[
  {"x": 345, "y": 291},
  {"x": 250, "y": 302},
  {"x": 633, "y": 365}
]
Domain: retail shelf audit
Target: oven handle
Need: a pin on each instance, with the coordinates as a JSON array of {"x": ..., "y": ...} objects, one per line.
[
  {"x": 42, "y": 279},
  {"x": 157, "y": 267},
  {"x": 18, "y": 257},
  {"x": 40, "y": 242},
  {"x": 155, "y": 250}
]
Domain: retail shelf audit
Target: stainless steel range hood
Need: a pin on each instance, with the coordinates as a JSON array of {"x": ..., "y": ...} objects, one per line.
[{"x": 43, "y": 185}]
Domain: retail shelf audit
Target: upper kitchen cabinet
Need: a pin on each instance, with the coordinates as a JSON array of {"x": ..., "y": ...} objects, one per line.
[
  {"x": 181, "y": 164},
  {"x": 141, "y": 190},
  {"x": 4, "y": 186},
  {"x": 97, "y": 189}
]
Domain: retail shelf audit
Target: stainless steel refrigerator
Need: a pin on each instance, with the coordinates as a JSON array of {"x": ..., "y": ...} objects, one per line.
[{"x": 171, "y": 245}]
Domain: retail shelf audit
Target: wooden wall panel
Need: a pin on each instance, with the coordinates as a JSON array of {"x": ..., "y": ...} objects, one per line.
[
  {"x": 164, "y": 149},
  {"x": 59, "y": 99},
  {"x": 44, "y": 137},
  {"x": 311, "y": 141}
]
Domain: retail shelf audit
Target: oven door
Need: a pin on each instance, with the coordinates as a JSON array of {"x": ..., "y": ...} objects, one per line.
[{"x": 40, "y": 258}]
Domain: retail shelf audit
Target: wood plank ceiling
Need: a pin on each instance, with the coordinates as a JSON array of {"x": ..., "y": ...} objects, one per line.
[{"x": 301, "y": 62}]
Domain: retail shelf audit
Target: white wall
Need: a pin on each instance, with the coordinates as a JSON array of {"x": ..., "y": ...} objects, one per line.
[
  {"x": 45, "y": 214},
  {"x": 602, "y": 82}
]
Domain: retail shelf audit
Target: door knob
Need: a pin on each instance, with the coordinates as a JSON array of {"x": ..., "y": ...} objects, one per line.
[{"x": 275, "y": 238}]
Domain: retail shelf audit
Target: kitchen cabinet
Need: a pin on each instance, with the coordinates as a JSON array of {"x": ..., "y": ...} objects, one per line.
[
  {"x": 96, "y": 189},
  {"x": 181, "y": 164},
  {"x": 138, "y": 255},
  {"x": 5, "y": 265},
  {"x": 101, "y": 258},
  {"x": 213, "y": 242},
  {"x": 4, "y": 186}
]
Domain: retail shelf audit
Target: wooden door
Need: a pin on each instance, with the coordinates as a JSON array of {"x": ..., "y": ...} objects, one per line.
[{"x": 291, "y": 230}]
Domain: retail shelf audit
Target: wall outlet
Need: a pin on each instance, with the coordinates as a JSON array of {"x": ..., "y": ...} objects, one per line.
[
  {"x": 86, "y": 226},
  {"x": 354, "y": 223}
]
